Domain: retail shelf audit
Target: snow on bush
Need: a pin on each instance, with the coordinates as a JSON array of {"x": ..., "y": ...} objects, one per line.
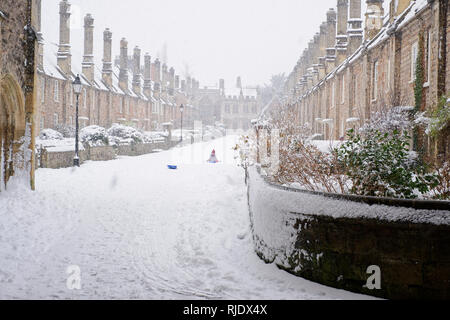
[
  {"x": 94, "y": 136},
  {"x": 66, "y": 130},
  {"x": 120, "y": 134},
  {"x": 396, "y": 118},
  {"x": 379, "y": 164},
  {"x": 50, "y": 134}
]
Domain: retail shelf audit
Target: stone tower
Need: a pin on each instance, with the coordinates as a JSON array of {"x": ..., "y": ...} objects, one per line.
[
  {"x": 374, "y": 18},
  {"x": 64, "y": 56},
  {"x": 341, "y": 37},
  {"x": 123, "y": 74},
  {"x": 355, "y": 32},
  {"x": 147, "y": 75},
  {"x": 137, "y": 70},
  {"x": 331, "y": 40},
  {"x": 107, "y": 57},
  {"x": 88, "y": 57}
]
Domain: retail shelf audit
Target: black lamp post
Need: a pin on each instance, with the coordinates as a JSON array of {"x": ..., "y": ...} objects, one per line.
[
  {"x": 77, "y": 90},
  {"x": 181, "y": 110}
]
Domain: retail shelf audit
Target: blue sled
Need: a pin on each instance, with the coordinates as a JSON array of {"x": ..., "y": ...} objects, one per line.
[{"x": 172, "y": 167}]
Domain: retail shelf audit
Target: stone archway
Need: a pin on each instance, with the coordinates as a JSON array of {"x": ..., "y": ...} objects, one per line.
[{"x": 12, "y": 129}]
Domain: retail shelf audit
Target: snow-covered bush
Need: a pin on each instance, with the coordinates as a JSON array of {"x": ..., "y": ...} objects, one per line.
[
  {"x": 442, "y": 190},
  {"x": 396, "y": 118},
  {"x": 246, "y": 146},
  {"x": 66, "y": 130},
  {"x": 50, "y": 134},
  {"x": 379, "y": 164},
  {"x": 301, "y": 163},
  {"x": 123, "y": 134},
  {"x": 440, "y": 118},
  {"x": 94, "y": 136}
]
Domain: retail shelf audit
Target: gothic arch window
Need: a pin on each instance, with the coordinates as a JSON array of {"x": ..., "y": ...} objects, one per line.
[{"x": 12, "y": 129}]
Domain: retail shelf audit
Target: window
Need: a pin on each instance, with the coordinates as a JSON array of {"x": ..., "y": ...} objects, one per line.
[
  {"x": 55, "y": 120},
  {"x": 42, "y": 124},
  {"x": 427, "y": 57},
  {"x": 333, "y": 95},
  {"x": 375, "y": 81},
  {"x": 414, "y": 53},
  {"x": 121, "y": 106},
  {"x": 246, "y": 109},
  {"x": 43, "y": 91},
  {"x": 343, "y": 89},
  {"x": 388, "y": 85},
  {"x": 235, "y": 108},
  {"x": 227, "y": 108},
  {"x": 127, "y": 107},
  {"x": 71, "y": 121},
  {"x": 84, "y": 98},
  {"x": 154, "y": 110},
  {"x": 71, "y": 97},
  {"x": 254, "y": 109},
  {"x": 56, "y": 91},
  {"x": 93, "y": 100}
]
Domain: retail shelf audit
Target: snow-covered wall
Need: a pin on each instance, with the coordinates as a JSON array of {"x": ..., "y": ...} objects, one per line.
[{"x": 334, "y": 241}]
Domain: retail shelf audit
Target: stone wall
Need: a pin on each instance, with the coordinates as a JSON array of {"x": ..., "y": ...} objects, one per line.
[
  {"x": 58, "y": 160},
  {"x": 333, "y": 241},
  {"x": 64, "y": 159},
  {"x": 17, "y": 68}
]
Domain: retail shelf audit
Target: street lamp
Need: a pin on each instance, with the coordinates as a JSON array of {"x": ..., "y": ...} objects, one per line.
[
  {"x": 181, "y": 110},
  {"x": 77, "y": 90}
]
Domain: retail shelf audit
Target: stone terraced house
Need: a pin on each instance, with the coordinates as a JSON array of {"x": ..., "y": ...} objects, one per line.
[
  {"x": 351, "y": 69},
  {"x": 124, "y": 90}
]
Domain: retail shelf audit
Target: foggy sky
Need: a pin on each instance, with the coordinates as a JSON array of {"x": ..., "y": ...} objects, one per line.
[{"x": 214, "y": 38}]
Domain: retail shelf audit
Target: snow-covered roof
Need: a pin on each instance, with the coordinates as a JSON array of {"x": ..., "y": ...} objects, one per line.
[{"x": 246, "y": 92}]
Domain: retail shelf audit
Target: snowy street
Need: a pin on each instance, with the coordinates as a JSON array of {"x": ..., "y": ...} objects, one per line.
[{"x": 137, "y": 230}]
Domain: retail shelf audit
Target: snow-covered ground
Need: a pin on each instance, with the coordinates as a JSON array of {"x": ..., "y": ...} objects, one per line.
[{"x": 137, "y": 230}]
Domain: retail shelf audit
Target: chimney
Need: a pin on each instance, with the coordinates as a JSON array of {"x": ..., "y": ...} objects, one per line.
[
  {"x": 64, "y": 56},
  {"x": 316, "y": 55},
  {"x": 107, "y": 57},
  {"x": 40, "y": 58},
  {"x": 123, "y": 74},
  {"x": 222, "y": 85},
  {"x": 88, "y": 57},
  {"x": 164, "y": 77},
  {"x": 374, "y": 18},
  {"x": 188, "y": 85},
  {"x": 183, "y": 85},
  {"x": 137, "y": 70},
  {"x": 341, "y": 38},
  {"x": 239, "y": 83},
  {"x": 331, "y": 40},
  {"x": 147, "y": 75},
  {"x": 157, "y": 75},
  {"x": 355, "y": 32},
  {"x": 322, "y": 50},
  {"x": 172, "y": 79},
  {"x": 177, "y": 82}
]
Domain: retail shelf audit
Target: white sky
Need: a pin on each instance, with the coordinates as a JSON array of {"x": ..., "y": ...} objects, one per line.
[{"x": 216, "y": 38}]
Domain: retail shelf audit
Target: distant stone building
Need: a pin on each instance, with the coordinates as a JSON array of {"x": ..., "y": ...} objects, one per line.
[
  {"x": 235, "y": 107},
  {"x": 18, "y": 45},
  {"x": 350, "y": 71},
  {"x": 128, "y": 90}
]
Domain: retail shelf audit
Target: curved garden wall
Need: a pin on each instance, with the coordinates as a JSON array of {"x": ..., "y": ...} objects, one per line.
[{"x": 333, "y": 240}]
